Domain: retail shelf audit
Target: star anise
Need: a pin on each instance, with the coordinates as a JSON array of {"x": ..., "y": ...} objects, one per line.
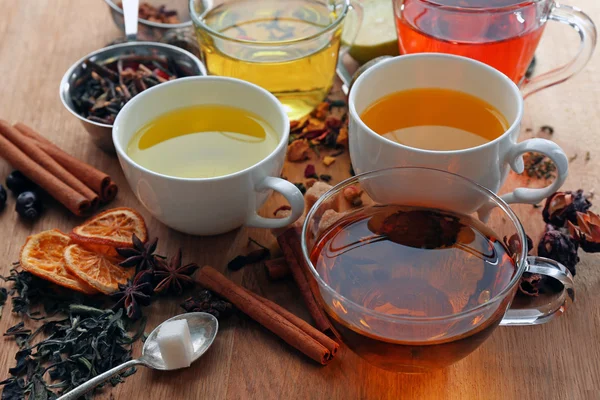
[
  {"x": 208, "y": 302},
  {"x": 564, "y": 206},
  {"x": 587, "y": 231},
  {"x": 172, "y": 276},
  {"x": 134, "y": 294},
  {"x": 141, "y": 256}
]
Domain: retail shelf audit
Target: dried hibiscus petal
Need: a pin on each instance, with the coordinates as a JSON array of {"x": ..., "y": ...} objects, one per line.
[
  {"x": 587, "y": 231},
  {"x": 310, "y": 171},
  {"x": 530, "y": 284},
  {"x": 564, "y": 206},
  {"x": 513, "y": 244},
  {"x": 558, "y": 245}
]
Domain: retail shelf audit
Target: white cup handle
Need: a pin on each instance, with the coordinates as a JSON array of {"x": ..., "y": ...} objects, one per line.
[
  {"x": 291, "y": 194},
  {"x": 515, "y": 159}
]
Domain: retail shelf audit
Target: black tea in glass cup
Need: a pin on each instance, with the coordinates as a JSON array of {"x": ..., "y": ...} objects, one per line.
[{"x": 414, "y": 281}]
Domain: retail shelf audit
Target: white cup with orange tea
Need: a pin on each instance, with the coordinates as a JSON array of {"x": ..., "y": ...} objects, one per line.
[
  {"x": 202, "y": 154},
  {"x": 446, "y": 112}
]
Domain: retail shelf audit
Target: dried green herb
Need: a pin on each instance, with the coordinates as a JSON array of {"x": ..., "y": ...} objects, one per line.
[
  {"x": 3, "y": 297},
  {"x": 82, "y": 342},
  {"x": 539, "y": 166}
]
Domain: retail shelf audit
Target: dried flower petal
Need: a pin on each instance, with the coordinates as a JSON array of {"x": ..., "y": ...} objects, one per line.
[
  {"x": 587, "y": 231},
  {"x": 530, "y": 284},
  {"x": 310, "y": 171},
  {"x": 333, "y": 122},
  {"x": 298, "y": 150},
  {"x": 564, "y": 206},
  {"x": 321, "y": 110},
  {"x": 558, "y": 245}
]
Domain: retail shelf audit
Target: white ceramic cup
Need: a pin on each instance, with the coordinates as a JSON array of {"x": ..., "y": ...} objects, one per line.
[
  {"x": 487, "y": 164},
  {"x": 208, "y": 206}
]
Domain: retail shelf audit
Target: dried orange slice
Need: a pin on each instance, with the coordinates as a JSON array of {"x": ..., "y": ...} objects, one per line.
[
  {"x": 112, "y": 228},
  {"x": 42, "y": 255},
  {"x": 97, "y": 270}
]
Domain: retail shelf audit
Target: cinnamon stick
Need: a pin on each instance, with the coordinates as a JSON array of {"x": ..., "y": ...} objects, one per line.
[
  {"x": 63, "y": 193},
  {"x": 277, "y": 268},
  {"x": 95, "y": 179},
  {"x": 307, "y": 328},
  {"x": 211, "y": 279},
  {"x": 27, "y": 146},
  {"x": 289, "y": 241}
]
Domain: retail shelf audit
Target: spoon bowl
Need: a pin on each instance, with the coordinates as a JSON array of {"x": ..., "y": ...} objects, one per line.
[{"x": 203, "y": 330}]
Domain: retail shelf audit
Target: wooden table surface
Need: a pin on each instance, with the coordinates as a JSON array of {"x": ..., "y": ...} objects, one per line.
[{"x": 40, "y": 39}]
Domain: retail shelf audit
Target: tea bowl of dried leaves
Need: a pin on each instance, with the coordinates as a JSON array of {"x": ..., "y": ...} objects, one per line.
[{"x": 96, "y": 87}]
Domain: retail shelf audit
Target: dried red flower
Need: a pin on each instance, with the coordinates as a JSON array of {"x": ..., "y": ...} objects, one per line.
[
  {"x": 530, "y": 285},
  {"x": 587, "y": 231},
  {"x": 558, "y": 245},
  {"x": 564, "y": 206},
  {"x": 310, "y": 171}
]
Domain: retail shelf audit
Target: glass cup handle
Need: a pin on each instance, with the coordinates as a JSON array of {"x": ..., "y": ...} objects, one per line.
[
  {"x": 584, "y": 25},
  {"x": 515, "y": 159},
  {"x": 342, "y": 72},
  {"x": 291, "y": 193},
  {"x": 537, "y": 316}
]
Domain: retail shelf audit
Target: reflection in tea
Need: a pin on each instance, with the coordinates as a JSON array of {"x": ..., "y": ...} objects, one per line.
[
  {"x": 299, "y": 72},
  {"x": 435, "y": 119},
  {"x": 203, "y": 141},
  {"x": 412, "y": 262},
  {"x": 506, "y": 40}
]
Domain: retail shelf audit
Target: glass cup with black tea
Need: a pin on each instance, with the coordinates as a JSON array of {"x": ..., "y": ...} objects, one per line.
[{"x": 416, "y": 278}]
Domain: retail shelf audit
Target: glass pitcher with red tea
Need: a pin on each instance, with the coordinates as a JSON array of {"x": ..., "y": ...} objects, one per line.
[
  {"x": 500, "y": 33},
  {"x": 414, "y": 280}
]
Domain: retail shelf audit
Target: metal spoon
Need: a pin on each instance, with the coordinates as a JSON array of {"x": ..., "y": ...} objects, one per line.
[
  {"x": 203, "y": 329},
  {"x": 130, "y": 15}
]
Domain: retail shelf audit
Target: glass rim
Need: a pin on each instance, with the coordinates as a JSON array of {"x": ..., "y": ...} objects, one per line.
[
  {"x": 198, "y": 21},
  {"x": 395, "y": 318},
  {"x": 512, "y": 7}
]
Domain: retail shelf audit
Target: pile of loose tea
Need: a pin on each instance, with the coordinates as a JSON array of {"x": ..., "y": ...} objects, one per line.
[{"x": 105, "y": 88}]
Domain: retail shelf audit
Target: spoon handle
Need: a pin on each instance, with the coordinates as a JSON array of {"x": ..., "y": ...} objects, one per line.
[
  {"x": 130, "y": 16},
  {"x": 95, "y": 381}
]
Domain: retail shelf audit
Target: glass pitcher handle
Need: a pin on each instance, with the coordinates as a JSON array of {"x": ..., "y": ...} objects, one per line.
[
  {"x": 537, "y": 316},
  {"x": 355, "y": 10},
  {"x": 586, "y": 29}
]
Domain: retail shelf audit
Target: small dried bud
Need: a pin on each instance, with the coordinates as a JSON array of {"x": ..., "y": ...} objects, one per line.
[
  {"x": 587, "y": 231},
  {"x": 558, "y": 245},
  {"x": 564, "y": 206},
  {"x": 352, "y": 194},
  {"x": 328, "y": 160}
]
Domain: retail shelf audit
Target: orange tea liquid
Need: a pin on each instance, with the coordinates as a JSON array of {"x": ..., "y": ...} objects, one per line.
[
  {"x": 435, "y": 119},
  {"x": 506, "y": 40},
  {"x": 412, "y": 262}
]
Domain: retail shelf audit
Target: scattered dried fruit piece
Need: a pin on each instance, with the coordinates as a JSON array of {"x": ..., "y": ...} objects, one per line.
[
  {"x": 587, "y": 231},
  {"x": 298, "y": 150},
  {"x": 43, "y": 256},
  {"x": 328, "y": 160},
  {"x": 113, "y": 228},
  {"x": 352, "y": 194},
  {"x": 97, "y": 270},
  {"x": 310, "y": 171},
  {"x": 530, "y": 284},
  {"x": 564, "y": 206},
  {"x": 558, "y": 245},
  {"x": 342, "y": 139},
  {"x": 321, "y": 110}
]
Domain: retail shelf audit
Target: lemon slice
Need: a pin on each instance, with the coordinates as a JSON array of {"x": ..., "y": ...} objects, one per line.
[{"x": 376, "y": 35}]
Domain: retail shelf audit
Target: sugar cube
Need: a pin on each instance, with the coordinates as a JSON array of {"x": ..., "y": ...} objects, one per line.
[{"x": 175, "y": 344}]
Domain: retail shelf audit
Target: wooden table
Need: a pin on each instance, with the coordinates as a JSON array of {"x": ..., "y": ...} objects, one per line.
[{"x": 39, "y": 39}]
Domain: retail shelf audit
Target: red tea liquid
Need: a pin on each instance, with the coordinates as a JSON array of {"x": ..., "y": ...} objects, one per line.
[
  {"x": 505, "y": 39},
  {"x": 413, "y": 262}
]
